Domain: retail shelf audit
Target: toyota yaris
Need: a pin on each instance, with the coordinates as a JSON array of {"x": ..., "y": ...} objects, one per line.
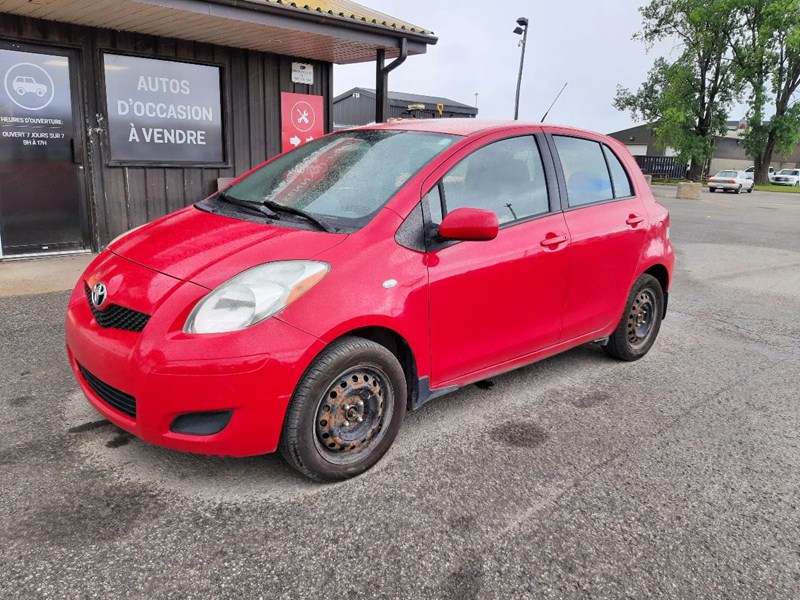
[{"x": 311, "y": 303}]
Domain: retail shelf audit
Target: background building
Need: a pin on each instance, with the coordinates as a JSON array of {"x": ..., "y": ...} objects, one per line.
[
  {"x": 357, "y": 107},
  {"x": 115, "y": 112},
  {"x": 729, "y": 152}
]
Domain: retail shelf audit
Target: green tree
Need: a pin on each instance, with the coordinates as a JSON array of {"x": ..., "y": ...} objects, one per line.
[
  {"x": 766, "y": 54},
  {"x": 687, "y": 98}
]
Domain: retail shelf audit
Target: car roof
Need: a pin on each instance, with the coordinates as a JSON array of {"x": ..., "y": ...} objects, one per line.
[{"x": 464, "y": 127}]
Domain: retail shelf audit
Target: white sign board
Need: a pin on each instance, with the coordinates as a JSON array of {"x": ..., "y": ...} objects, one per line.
[{"x": 302, "y": 73}]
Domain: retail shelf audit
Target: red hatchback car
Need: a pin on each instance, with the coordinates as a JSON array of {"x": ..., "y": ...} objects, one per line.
[{"x": 308, "y": 305}]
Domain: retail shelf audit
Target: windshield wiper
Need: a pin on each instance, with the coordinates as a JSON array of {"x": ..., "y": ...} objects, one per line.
[
  {"x": 270, "y": 208},
  {"x": 271, "y": 204},
  {"x": 256, "y": 207}
]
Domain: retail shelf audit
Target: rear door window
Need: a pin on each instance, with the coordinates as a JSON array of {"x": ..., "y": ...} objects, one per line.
[{"x": 585, "y": 170}]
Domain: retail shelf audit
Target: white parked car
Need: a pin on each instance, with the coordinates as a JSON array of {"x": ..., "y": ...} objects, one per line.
[
  {"x": 735, "y": 181},
  {"x": 787, "y": 177},
  {"x": 750, "y": 173}
]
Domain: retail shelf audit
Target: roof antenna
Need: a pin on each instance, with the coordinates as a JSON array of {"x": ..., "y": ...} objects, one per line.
[{"x": 554, "y": 102}]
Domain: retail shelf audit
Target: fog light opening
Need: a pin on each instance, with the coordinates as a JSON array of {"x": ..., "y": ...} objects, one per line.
[{"x": 201, "y": 423}]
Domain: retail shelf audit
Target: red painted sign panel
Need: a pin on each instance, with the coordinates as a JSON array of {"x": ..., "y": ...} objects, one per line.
[{"x": 302, "y": 119}]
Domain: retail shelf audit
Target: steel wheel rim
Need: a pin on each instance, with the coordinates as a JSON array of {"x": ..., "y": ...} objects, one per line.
[
  {"x": 353, "y": 414},
  {"x": 642, "y": 318}
]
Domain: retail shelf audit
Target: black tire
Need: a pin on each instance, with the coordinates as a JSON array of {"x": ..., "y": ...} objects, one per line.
[
  {"x": 750, "y": 191},
  {"x": 712, "y": 190},
  {"x": 351, "y": 379},
  {"x": 739, "y": 189},
  {"x": 635, "y": 334}
]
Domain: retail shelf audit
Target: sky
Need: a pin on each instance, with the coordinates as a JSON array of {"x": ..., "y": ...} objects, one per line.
[{"x": 586, "y": 43}]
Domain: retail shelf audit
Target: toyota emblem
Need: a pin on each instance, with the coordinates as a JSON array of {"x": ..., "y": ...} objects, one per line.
[{"x": 99, "y": 294}]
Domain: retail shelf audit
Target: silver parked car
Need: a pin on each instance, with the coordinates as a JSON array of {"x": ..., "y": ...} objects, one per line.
[{"x": 735, "y": 181}]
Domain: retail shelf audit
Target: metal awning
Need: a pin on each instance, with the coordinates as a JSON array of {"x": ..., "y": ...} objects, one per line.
[{"x": 337, "y": 31}]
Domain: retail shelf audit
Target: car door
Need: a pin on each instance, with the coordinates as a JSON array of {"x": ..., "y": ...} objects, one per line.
[
  {"x": 493, "y": 301},
  {"x": 607, "y": 222}
]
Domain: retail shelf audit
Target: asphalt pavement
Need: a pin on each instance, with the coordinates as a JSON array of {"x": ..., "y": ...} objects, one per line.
[{"x": 577, "y": 477}]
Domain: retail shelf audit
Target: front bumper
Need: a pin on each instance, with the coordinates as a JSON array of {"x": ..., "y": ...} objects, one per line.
[{"x": 251, "y": 373}]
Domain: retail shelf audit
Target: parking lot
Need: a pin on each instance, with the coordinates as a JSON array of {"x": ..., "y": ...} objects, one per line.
[{"x": 676, "y": 476}]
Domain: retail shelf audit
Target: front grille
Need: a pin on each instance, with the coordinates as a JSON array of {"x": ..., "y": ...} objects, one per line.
[
  {"x": 117, "y": 317},
  {"x": 124, "y": 403}
]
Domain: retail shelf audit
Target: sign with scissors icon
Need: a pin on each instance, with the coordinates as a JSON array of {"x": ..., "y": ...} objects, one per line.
[{"x": 302, "y": 119}]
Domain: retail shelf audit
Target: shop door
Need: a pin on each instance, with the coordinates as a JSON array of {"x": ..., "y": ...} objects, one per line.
[{"x": 42, "y": 205}]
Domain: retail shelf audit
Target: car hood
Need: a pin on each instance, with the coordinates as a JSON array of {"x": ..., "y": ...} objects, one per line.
[{"x": 207, "y": 249}]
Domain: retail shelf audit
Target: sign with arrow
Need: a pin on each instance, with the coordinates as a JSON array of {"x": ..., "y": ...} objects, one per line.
[{"x": 302, "y": 119}]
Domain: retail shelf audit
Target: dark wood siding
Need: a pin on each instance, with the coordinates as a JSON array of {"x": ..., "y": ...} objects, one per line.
[{"x": 124, "y": 197}]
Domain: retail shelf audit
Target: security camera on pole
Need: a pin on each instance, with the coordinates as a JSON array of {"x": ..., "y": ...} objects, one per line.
[{"x": 521, "y": 29}]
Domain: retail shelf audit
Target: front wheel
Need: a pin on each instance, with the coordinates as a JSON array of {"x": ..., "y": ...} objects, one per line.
[
  {"x": 750, "y": 191},
  {"x": 637, "y": 330},
  {"x": 345, "y": 412}
]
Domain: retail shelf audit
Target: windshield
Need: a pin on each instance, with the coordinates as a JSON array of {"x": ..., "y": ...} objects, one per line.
[
  {"x": 343, "y": 178},
  {"x": 728, "y": 174}
]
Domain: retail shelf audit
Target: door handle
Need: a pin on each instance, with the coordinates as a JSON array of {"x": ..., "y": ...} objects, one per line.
[
  {"x": 634, "y": 220},
  {"x": 554, "y": 240}
]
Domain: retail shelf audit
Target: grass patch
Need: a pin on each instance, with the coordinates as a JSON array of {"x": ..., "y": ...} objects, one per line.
[
  {"x": 778, "y": 188},
  {"x": 669, "y": 181}
]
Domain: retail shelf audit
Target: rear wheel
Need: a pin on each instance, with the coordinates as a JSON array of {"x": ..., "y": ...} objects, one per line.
[
  {"x": 345, "y": 412},
  {"x": 739, "y": 189},
  {"x": 637, "y": 330},
  {"x": 712, "y": 190}
]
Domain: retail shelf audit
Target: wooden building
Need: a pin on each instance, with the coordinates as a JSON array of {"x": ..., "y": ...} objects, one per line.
[{"x": 116, "y": 112}]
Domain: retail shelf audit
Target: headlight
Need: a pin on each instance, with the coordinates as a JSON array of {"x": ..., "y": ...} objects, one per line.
[{"x": 254, "y": 295}]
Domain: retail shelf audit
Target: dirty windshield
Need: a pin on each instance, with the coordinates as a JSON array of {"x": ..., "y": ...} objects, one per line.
[{"x": 344, "y": 178}]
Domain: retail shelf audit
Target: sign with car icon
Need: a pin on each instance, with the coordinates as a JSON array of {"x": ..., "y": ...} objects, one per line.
[{"x": 28, "y": 85}]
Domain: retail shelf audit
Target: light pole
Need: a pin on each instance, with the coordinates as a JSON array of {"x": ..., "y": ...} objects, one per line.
[{"x": 521, "y": 29}]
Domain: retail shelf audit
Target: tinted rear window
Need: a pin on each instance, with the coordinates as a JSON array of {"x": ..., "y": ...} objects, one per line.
[{"x": 585, "y": 169}]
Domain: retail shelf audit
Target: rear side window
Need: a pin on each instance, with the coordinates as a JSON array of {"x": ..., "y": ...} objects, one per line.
[
  {"x": 585, "y": 169},
  {"x": 619, "y": 177},
  {"x": 506, "y": 177}
]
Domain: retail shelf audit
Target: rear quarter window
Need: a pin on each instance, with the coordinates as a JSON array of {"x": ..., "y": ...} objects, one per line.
[{"x": 619, "y": 176}]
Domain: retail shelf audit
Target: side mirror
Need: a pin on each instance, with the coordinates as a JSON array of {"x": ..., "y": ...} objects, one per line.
[{"x": 469, "y": 224}]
